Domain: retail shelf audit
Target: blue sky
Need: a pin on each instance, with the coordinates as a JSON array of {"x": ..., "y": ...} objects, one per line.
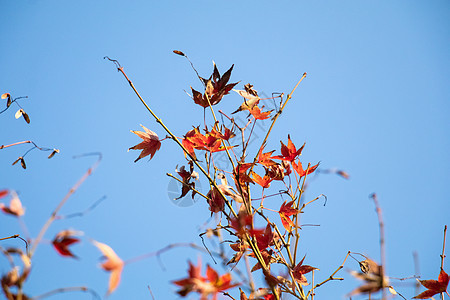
[{"x": 375, "y": 104}]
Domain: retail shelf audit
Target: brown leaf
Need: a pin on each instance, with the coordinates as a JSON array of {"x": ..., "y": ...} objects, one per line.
[{"x": 434, "y": 286}]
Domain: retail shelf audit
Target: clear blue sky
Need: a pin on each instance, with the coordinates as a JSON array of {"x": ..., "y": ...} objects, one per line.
[{"x": 375, "y": 104}]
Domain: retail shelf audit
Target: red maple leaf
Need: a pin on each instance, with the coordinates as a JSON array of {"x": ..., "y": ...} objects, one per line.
[
  {"x": 434, "y": 286},
  {"x": 299, "y": 271},
  {"x": 149, "y": 145},
  {"x": 289, "y": 152},
  {"x": 299, "y": 168},
  {"x": 285, "y": 212},
  {"x": 63, "y": 240}
]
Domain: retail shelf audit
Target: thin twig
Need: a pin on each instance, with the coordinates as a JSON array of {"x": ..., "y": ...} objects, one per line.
[
  {"x": 68, "y": 289},
  {"x": 382, "y": 243},
  {"x": 63, "y": 201}
]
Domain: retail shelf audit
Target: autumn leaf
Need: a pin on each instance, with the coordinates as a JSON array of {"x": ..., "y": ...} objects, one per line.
[
  {"x": 112, "y": 264},
  {"x": 265, "y": 158},
  {"x": 434, "y": 286},
  {"x": 289, "y": 152},
  {"x": 262, "y": 181},
  {"x": 258, "y": 115},
  {"x": 15, "y": 206},
  {"x": 299, "y": 168},
  {"x": 300, "y": 270},
  {"x": 63, "y": 240},
  {"x": 215, "y": 88},
  {"x": 285, "y": 212},
  {"x": 149, "y": 145},
  {"x": 206, "y": 286}
]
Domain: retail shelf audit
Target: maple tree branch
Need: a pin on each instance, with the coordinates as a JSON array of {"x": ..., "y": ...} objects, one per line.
[
  {"x": 331, "y": 276},
  {"x": 174, "y": 138},
  {"x": 443, "y": 249},
  {"x": 190, "y": 187},
  {"x": 274, "y": 119},
  {"x": 67, "y": 289},
  {"x": 382, "y": 243},
  {"x": 63, "y": 201},
  {"x": 81, "y": 213}
]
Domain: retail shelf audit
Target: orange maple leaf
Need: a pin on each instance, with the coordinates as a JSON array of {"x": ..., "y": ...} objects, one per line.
[
  {"x": 299, "y": 168},
  {"x": 149, "y": 145},
  {"x": 285, "y": 212},
  {"x": 434, "y": 286},
  {"x": 258, "y": 115},
  {"x": 113, "y": 264},
  {"x": 262, "y": 181}
]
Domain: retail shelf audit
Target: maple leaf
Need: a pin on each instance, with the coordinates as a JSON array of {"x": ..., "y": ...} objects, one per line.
[
  {"x": 262, "y": 181},
  {"x": 205, "y": 286},
  {"x": 15, "y": 207},
  {"x": 285, "y": 212},
  {"x": 300, "y": 270},
  {"x": 265, "y": 158},
  {"x": 63, "y": 240},
  {"x": 149, "y": 145},
  {"x": 434, "y": 286},
  {"x": 258, "y": 115},
  {"x": 113, "y": 264},
  {"x": 289, "y": 152},
  {"x": 299, "y": 168},
  {"x": 228, "y": 133},
  {"x": 215, "y": 88}
]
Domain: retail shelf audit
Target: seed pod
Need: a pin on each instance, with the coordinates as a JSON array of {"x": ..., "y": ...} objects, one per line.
[{"x": 178, "y": 52}]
